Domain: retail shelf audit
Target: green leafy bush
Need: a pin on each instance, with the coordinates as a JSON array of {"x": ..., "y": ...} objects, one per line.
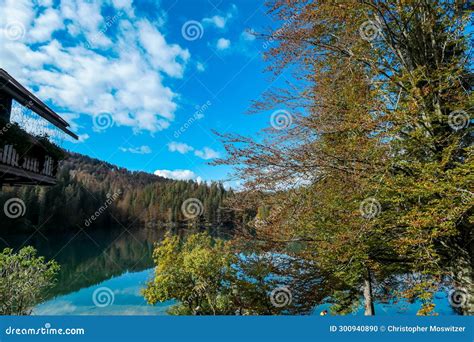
[
  {"x": 23, "y": 279},
  {"x": 207, "y": 277}
]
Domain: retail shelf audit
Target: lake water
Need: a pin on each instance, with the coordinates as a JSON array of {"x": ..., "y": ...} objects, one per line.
[
  {"x": 103, "y": 273},
  {"x": 116, "y": 262}
]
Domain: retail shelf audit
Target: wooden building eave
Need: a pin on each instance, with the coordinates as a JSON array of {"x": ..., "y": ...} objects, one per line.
[{"x": 23, "y": 96}]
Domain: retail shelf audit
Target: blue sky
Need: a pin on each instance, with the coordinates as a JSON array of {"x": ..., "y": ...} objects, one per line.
[{"x": 142, "y": 83}]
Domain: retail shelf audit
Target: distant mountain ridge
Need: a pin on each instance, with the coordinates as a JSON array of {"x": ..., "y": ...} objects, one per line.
[{"x": 87, "y": 185}]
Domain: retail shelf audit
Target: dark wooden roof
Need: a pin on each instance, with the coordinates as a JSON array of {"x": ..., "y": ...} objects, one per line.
[{"x": 24, "y": 97}]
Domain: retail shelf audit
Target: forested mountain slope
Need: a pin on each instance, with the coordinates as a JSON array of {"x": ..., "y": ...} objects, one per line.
[{"x": 113, "y": 196}]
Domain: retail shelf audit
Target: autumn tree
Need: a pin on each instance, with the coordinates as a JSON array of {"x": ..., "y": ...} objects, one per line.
[
  {"x": 208, "y": 276},
  {"x": 368, "y": 160},
  {"x": 195, "y": 272}
]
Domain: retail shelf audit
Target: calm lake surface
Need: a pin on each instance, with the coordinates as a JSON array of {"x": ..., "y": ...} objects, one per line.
[{"x": 103, "y": 271}]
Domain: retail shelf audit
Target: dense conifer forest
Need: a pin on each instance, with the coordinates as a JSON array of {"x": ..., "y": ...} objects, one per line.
[{"x": 124, "y": 198}]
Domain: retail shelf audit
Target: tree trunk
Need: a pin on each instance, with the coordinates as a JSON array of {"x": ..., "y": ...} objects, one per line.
[
  {"x": 368, "y": 299},
  {"x": 462, "y": 299},
  {"x": 466, "y": 291},
  {"x": 469, "y": 310}
]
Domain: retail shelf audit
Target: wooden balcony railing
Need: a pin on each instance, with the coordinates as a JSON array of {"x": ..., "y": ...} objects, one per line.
[
  {"x": 32, "y": 168},
  {"x": 25, "y": 159}
]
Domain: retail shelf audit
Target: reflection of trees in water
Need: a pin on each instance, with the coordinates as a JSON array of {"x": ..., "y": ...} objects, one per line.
[
  {"x": 88, "y": 258},
  {"x": 87, "y": 263}
]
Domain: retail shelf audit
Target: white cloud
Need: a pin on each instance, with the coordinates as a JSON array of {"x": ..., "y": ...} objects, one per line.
[
  {"x": 87, "y": 16},
  {"x": 45, "y": 3},
  {"x": 125, "y": 5},
  {"x": 179, "y": 147},
  {"x": 206, "y": 153},
  {"x": 200, "y": 67},
  {"x": 217, "y": 20},
  {"x": 56, "y": 307},
  {"x": 121, "y": 71},
  {"x": 234, "y": 185},
  {"x": 137, "y": 150},
  {"x": 220, "y": 21},
  {"x": 82, "y": 138},
  {"x": 176, "y": 174},
  {"x": 162, "y": 56},
  {"x": 16, "y": 11},
  {"x": 223, "y": 44},
  {"x": 45, "y": 25},
  {"x": 248, "y": 36}
]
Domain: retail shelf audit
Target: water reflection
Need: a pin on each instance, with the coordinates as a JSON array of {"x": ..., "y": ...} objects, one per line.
[
  {"x": 88, "y": 258},
  {"x": 125, "y": 299},
  {"x": 121, "y": 261},
  {"x": 116, "y": 258}
]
